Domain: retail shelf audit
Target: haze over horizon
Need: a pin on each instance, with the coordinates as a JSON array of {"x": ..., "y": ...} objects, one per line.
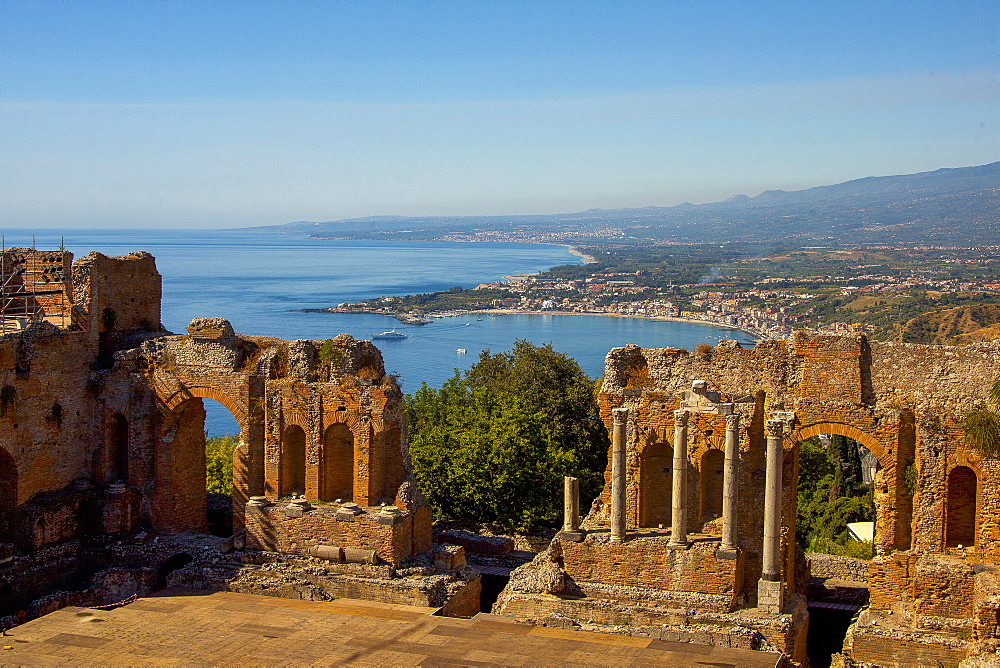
[{"x": 230, "y": 115}]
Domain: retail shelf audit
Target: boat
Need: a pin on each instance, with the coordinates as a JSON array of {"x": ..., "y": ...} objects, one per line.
[
  {"x": 461, "y": 351},
  {"x": 392, "y": 334}
]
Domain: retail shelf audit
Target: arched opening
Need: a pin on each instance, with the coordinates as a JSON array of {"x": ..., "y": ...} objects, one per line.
[
  {"x": 961, "y": 508},
  {"x": 337, "y": 468},
  {"x": 194, "y": 479},
  {"x": 293, "y": 461},
  {"x": 8, "y": 497},
  {"x": 222, "y": 438},
  {"x": 118, "y": 449},
  {"x": 386, "y": 468},
  {"x": 835, "y": 504},
  {"x": 655, "y": 485},
  {"x": 712, "y": 463}
]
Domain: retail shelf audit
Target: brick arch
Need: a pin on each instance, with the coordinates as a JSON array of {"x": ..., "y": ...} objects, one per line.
[
  {"x": 652, "y": 436},
  {"x": 353, "y": 422},
  {"x": 289, "y": 418},
  {"x": 848, "y": 431},
  {"x": 186, "y": 393}
]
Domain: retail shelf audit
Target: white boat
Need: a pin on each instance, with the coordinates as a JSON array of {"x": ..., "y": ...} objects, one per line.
[
  {"x": 392, "y": 334},
  {"x": 461, "y": 351}
]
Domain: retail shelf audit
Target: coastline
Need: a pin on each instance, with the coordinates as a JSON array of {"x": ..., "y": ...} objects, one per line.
[
  {"x": 665, "y": 318},
  {"x": 427, "y": 316},
  {"x": 573, "y": 250}
]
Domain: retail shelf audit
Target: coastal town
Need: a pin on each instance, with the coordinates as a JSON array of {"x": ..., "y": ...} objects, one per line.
[{"x": 873, "y": 299}]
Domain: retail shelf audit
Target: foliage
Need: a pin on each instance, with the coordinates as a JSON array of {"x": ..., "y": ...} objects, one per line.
[
  {"x": 910, "y": 478},
  {"x": 219, "y": 463},
  {"x": 329, "y": 352},
  {"x": 982, "y": 426},
  {"x": 552, "y": 385},
  {"x": 494, "y": 446},
  {"x": 830, "y": 494},
  {"x": 859, "y": 549}
]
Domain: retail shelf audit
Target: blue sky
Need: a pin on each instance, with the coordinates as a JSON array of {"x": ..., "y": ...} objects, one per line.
[{"x": 217, "y": 114}]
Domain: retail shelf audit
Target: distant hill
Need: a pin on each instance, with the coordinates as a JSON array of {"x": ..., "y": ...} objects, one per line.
[
  {"x": 964, "y": 324},
  {"x": 946, "y": 206}
]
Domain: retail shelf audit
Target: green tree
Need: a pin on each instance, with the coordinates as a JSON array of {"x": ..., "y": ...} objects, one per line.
[
  {"x": 219, "y": 463},
  {"x": 830, "y": 495},
  {"x": 553, "y": 386},
  {"x": 494, "y": 446},
  {"x": 982, "y": 425}
]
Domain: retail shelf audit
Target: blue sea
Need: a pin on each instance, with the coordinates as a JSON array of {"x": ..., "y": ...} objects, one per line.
[{"x": 260, "y": 281}]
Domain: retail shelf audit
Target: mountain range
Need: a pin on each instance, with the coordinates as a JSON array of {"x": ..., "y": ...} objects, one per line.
[{"x": 958, "y": 206}]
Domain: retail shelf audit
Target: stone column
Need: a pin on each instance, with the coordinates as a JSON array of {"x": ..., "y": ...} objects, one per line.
[
  {"x": 769, "y": 590},
  {"x": 678, "y": 514},
  {"x": 571, "y": 511},
  {"x": 729, "y": 482},
  {"x": 618, "y": 474}
]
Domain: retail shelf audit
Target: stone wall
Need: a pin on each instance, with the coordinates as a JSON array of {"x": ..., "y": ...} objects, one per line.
[
  {"x": 903, "y": 402},
  {"x": 102, "y": 431}
]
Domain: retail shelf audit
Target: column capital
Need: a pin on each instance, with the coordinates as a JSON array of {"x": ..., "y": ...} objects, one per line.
[
  {"x": 680, "y": 418},
  {"x": 620, "y": 415},
  {"x": 775, "y": 428},
  {"x": 733, "y": 421}
]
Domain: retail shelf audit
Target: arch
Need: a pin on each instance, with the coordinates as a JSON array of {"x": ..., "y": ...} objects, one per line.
[
  {"x": 336, "y": 479},
  {"x": 712, "y": 463},
  {"x": 188, "y": 392},
  {"x": 118, "y": 449},
  {"x": 8, "y": 496},
  {"x": 893, "y": 511},
  {"x": 961, "y": 508},
  {"x": 655, "y": 484},
  {"x": 847, "y": 430},
  {"x": 292, "y": 475}
]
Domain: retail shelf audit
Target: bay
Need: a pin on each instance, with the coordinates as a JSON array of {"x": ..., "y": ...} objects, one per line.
[{"x": 259, "y": 282}]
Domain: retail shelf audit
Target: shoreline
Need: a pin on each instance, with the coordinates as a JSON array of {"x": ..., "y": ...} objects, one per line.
[
  {"x": 573, "y": 250},
  {"x": 664, "y": 318},
  {"x": 437, "y": 315}
]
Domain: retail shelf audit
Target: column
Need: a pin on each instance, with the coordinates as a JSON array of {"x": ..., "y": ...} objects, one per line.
[
  {"x": 571, "y": 510},
  {"x": 620, "y": 416},
  {"x": 769, "y": 590},
  {"x": 678, "y": 514},
  {"x": 729, "y": 482}
]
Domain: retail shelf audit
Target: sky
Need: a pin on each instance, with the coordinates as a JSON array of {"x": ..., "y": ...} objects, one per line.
[{"x": 225, "y": 114}]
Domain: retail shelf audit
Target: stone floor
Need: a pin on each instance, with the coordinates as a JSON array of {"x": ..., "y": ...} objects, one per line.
[{"x": 188, "y": 627}]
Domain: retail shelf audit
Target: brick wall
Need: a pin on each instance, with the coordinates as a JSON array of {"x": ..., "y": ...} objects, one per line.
[{"x": 271, "y": 529}]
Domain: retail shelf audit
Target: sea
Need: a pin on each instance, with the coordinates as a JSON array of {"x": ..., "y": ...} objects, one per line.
[{"x": 260, "y": 281}]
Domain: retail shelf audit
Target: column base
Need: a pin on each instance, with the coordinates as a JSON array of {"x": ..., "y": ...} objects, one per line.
[
  {"x": 573, "y": 536},
  {"x": 728, "y": 553},
  {"x": 678, "y": 546},
  {"x": 770, "y": 596}
]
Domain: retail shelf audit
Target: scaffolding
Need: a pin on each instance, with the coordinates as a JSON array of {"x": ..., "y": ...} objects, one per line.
[{"x": 35, "y": 286}]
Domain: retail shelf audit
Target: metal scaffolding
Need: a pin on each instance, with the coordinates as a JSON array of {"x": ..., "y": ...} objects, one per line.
[{"x": 34, "y": 287}]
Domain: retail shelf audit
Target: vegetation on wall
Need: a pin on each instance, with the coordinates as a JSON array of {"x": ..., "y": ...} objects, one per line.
[
  {"x": 982, "y": 426},
  {"x": 493, "y": 446}
]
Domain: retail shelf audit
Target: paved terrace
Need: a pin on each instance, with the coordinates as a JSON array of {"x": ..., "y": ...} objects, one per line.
[{"x": 183, "y": 626}]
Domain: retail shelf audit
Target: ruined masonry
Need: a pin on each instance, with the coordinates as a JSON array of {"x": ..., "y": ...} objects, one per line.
[
  {"x": 103, "y": 472},
  {"x": 693, "y": 538},
  {"x": 103, "y": 464}
]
